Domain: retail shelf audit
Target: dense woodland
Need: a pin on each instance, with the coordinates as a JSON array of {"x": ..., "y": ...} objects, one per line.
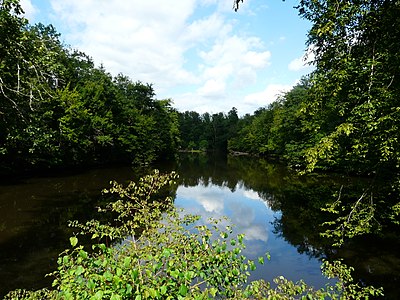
[
  {"x": 58, "y": 109},
  {"x": 346, "y": 114}
]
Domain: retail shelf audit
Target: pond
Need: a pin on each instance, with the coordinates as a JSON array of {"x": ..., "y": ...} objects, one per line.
[{"x": 277, "y": 210}]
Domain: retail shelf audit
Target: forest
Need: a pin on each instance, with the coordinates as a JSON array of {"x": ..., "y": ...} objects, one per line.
[{"x": 57, "y": 109}]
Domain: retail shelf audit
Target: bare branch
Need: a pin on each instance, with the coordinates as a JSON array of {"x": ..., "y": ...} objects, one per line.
[{"x": 8, "y": 98}]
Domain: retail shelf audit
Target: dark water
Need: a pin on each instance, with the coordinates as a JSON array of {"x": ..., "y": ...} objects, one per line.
[{"x": 276, "y": 209}]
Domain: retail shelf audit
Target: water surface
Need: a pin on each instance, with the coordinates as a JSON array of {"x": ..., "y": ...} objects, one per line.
[{"x": 278, "y": 211}]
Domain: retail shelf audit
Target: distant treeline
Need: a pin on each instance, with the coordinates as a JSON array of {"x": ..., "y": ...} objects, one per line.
[{"x": 207, "y": 132}]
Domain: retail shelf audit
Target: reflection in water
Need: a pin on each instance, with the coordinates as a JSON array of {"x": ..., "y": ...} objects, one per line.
[
  {"x": 278, "y": 211},
  {"x": 34, "y": 217},
  {"x": 292, "y": 217},
  {"x": 252, "y": 216}
]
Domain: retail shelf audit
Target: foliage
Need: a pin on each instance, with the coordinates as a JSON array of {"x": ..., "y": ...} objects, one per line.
[
  {"x": 358, "y": 220},
  {"x": 58, "y": 109},
  {"x": 161, "y": 253},
  {"x": 207, "y": 132},
  {"x": 278, "y": 130},
  {"x": 345, "y": 115},
  {"x": 355, "y": 89}
]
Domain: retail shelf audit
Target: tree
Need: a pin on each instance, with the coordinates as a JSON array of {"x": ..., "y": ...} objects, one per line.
[
  {"x": 354, "y": 83},
  {"x": 352, "y": 103},
  {"x": 191, "y": 128},
  {"x": 29, "y": 75},
  {"x": 232, "y": 122},
  {"x": 58, "y": 109}
]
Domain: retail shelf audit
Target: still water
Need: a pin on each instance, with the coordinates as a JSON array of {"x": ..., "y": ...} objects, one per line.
[
  {"x": 278, "y": 211},
  {"x": 252, "y": 216}
]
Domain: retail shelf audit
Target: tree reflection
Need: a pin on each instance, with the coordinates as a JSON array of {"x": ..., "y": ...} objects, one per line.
[{"x": 299, "y": 200}]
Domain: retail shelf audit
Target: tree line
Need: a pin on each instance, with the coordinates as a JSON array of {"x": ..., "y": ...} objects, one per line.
[
  {"x": 207, "y": 132},
  {"x": 58, "y": 109}
]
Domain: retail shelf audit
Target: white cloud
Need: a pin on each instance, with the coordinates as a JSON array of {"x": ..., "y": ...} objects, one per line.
[
  {"x": 211, "y": 205},
  {"x": 257, "y": 59},
  {"x": 297, "y": 64},
  {"x": 200, "y": 31},
  {"x": 222, "y": 5},
  {"x": 212, "y": 88},
  {"x": 303, "y": 62},
  {"x": 251, "y": 195},
  {"x": 256, "y": 232},
  {"x": 29, "y": 9},
  {"x": 268, "y": 95},
  {"x": 170, "y": 46},
  {"x": 229, "y": 65},
  {"x": 216, "y": 201},
  {"x": 212, "y": 200},
  {"x": 144, "y": 40}
]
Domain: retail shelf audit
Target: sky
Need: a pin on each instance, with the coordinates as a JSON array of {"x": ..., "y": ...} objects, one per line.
[{"x": 200, "y": 53}]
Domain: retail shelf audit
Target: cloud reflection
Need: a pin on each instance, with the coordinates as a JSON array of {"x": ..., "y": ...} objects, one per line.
[
  {"x": 251, "y": 195},
  {"x": 244, "y": 207}
]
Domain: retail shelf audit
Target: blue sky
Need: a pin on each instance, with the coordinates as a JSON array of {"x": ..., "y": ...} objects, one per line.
[{"x": 199, "y": 53}]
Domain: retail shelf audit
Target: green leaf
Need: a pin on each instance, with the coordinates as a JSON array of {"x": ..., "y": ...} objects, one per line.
[
  {"x": 83, "y": 254},
  {"x": 213, "y": 292},
  {"x": 79, "y": 270},
  {"x": 166, "y": 252},
  {"x": 268, "y": 256},
  {"x": 115, "y": 297},
  {"x": 183, "y": 290},
  {"x": 197, "y": 264},
  {"x": 127, "y": 262},
  {"x": 252, "y": 265},
  {"x": 134, "y": 274},
  {"x": 107, "y": 275},
  {"x": 163, "y": 290},
  {"x": 73, "y": 240},
  {"x": 98, "y": 295},
  {"x": 90, "y": 284},
  {"x": 175, "y": 273}
]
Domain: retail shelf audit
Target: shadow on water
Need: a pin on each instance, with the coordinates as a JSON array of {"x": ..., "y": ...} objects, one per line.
[
  {"x": 273, "y": 205},
  {"x": 33, "y": 222}
]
